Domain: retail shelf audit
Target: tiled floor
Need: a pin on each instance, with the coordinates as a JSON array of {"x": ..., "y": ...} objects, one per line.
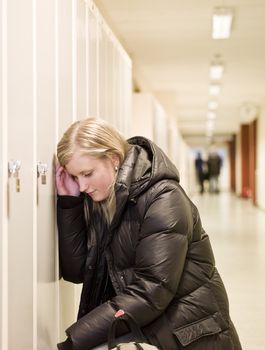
[{"x": 237, "y": 232}]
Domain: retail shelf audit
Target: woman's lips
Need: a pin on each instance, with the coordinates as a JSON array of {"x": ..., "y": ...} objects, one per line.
[{"x": 91, "y": 193}]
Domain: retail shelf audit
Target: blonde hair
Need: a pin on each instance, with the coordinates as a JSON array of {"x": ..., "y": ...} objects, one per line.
[
  {"x": 96, "y": 138},
  {"x": 93, "y": 137}
]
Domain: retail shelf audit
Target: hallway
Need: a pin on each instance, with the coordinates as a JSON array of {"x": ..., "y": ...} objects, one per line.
[
  {"x": 236, "y": 230},
  {"x": 146, "y": 68}
]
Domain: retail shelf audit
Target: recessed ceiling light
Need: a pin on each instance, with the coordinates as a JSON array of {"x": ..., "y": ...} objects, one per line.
[
  {"x": 210, "y": 124},
  {"x": 216, "y": 71},
  {"x": 211, "y": 115},
  {"x": 222, "y": 22},
  {"x": 214, "y": 89},
  {"x": 212, "y": 104}
]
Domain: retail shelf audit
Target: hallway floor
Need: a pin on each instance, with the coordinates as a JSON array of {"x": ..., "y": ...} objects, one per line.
[{"x": 236, "y": 230}]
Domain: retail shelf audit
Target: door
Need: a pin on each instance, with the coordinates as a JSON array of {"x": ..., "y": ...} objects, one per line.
[
  {"x": 45, "y": 133},
  {"x": 22, "y": 184},
  {"x": 2, "y": 229}
]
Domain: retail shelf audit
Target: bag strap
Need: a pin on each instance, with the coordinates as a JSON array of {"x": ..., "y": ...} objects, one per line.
[
  {"x": 137, "y": 346},
  {"x": 126, "y": 318}
]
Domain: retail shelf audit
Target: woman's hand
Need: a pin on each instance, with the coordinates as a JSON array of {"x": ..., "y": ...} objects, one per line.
[{"x": 65, "y": 183}]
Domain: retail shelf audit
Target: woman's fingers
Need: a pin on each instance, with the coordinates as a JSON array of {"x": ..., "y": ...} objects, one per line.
[
  {"x": 65, "y": 183},
  {"x": 59, "y": 170}
]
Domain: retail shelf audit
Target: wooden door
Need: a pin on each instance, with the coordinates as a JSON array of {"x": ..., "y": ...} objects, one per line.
[{"x": 252, "y": 159}]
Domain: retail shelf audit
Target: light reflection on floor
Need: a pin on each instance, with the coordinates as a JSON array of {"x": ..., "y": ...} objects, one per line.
[{"x": 237, "y": 232}]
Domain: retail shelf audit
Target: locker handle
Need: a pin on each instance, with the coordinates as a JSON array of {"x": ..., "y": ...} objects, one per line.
[
  {"x": 13, "y": 170},
  {"x": 42, "y": 169}
]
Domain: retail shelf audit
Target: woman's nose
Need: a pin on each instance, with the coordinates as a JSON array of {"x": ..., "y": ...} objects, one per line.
[{"x": 82, "y": 184}]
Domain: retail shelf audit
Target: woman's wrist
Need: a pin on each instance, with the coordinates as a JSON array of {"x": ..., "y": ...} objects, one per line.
[{"x": 68, "y": 202}]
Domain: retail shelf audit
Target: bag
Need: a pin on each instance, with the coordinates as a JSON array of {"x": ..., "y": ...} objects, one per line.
[{"x": 139, "y": 341}]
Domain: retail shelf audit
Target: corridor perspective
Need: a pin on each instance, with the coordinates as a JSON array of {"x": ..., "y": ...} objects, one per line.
[
  {"x": 186, "y": 75},
  {"x": 236, "y": 230}
]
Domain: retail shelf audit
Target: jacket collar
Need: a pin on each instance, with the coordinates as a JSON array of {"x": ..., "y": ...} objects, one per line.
[{"x": 144, "y": 165}]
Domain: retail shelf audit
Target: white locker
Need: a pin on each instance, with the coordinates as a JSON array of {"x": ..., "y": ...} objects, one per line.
[
  {"x": 93, "y": 62},
  {"x": 102, "y": 71},
  {"x": 2, "y": 175},
  {"x": 82, "y": 62},
  {"x": 66, "y": 114},
  {"x": 110, "y": 79},
  {"x": 45, "y": 249},
  {"x": 49, "y": 78},
  {"x": 20, "y": 146}
]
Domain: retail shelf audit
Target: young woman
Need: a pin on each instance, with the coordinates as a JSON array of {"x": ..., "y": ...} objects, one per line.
[{"x": 130, "y": 234}]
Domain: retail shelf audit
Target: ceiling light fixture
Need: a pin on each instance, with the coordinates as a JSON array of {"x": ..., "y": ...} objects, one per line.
[
  {"x": 222, "y": 22},
  {"x": 216, "y": 71},
  {"x": 212, "y": 105},
  {"x": 214, "y": 89},
  {"x": 211, "y": 115},
  {"x": 210, "y": 125}
]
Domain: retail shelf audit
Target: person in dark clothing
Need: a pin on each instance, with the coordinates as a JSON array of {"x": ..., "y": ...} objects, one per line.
[
  {"x": 214, "y": 169},
  {"x": 130, "y": 234},
  {"x": 200, "y": 171}
]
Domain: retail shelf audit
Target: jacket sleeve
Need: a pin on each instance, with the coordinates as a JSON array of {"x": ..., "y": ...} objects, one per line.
[
  {"x": 159, "y": 261},
  {"x": 72, "y": 237}
]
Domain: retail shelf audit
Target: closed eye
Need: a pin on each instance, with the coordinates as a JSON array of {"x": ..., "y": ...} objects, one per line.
[
  {"x": 83, "y": 175},
  {"x": 75, "y": 178},
  {"x": 86, "y": 174}
]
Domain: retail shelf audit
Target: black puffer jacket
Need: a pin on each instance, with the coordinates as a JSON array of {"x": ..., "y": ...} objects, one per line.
[{"x": 159, "y": 260}]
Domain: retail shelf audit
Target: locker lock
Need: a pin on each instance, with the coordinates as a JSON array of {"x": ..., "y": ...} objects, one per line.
[
  {"x": 13, "y": 170},
  {"x": 42, "y": 169}
]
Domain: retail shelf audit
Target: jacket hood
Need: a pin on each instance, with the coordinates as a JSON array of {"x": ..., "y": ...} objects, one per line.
[{"x": 144, "y": 165}]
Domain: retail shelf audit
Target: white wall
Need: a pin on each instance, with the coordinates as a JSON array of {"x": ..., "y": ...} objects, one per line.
[
  {"x": 260, "y": 179},
  {"x": 238, "y": 164},
  {"x": 224, "y": 179},
  {"x": 151, "y": 120},
  {"x": 184, "y": 166},
  {"x": 174, "y": 139},
  {"x": 161, "y": 130},
  {"x": 142, "y": 115}
]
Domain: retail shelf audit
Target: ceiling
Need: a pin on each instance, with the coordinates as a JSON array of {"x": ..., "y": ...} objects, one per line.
[{"x": 171, "y": 47}]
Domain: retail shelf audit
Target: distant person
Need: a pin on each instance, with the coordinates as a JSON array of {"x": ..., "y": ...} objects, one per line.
[
  {"x": 201, "y": 171},
  {"x": 214, "y": 169}
]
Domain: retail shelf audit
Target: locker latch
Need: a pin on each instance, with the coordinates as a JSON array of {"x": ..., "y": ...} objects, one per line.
[
  {"x": 42, "y": 169},
  {"x": 13, "y": 169}
]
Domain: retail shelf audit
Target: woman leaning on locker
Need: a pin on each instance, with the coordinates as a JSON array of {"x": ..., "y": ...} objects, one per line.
[{"x": 130, "y": 234}]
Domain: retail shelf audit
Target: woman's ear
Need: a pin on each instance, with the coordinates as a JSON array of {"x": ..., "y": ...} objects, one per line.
[{"x": 115, "y": 160}]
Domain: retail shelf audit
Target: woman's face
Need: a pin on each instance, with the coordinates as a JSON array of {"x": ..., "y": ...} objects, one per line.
[{"x": 95, "y": 176}]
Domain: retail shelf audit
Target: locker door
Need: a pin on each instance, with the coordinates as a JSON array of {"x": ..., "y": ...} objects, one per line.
[
  {"x": 1, "y": 181},
  {"x": 82, "y": 59},
  {"x": 102, "y": 72},
  {"x": 66, "y": 113},
  {"x": 22, "y": 218},
  {"x": 93, "y": 64},
  {"x": 110, "y": 79},
  {"x": 46, "y": 249}
]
